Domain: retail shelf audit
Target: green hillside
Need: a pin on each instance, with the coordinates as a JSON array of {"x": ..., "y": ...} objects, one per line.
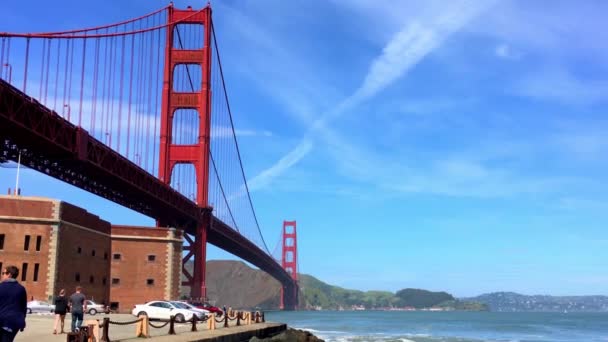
[
  {"x": 234, "y": 283},
  {"x": 316, "y": 294}
]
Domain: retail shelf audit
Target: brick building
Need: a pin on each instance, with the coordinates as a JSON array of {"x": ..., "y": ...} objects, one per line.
[
  {"x": 146, "y": 265},
  {"x": 58, "y": 245}
]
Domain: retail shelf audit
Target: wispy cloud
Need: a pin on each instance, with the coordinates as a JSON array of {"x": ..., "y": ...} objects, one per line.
[
  {"x": 404, "y": 50},
  {"x": 559, "y": 85},
  {"x": 266, "y": 176}
]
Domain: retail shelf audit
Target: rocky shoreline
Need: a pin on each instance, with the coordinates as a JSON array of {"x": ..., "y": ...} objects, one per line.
[{"x": 290, "y": 335}]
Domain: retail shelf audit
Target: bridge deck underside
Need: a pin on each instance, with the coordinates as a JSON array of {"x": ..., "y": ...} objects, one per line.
[{"x": 52, "y": 145}]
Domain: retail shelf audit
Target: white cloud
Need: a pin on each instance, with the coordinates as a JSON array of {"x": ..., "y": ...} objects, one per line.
[
  {"x": 405, "y": 49},
  {"x": 557, "y": 84},
  {"x": 265, "y": 177}
]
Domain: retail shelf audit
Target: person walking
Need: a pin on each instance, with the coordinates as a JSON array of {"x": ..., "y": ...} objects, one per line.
[
  {"x": 78, "y": 306},
  {"x": 61, "y": 308},
  {"x": 13, "y": 304}
]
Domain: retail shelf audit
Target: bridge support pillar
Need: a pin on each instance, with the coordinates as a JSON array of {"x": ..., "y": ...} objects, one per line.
[{"x": 199, "y": 286}]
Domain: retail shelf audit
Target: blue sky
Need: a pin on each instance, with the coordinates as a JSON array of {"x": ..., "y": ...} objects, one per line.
[{"x": 457, "y": 146}]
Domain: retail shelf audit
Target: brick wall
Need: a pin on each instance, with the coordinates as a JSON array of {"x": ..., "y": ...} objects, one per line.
[
  {"x": 83, "y": 256},
  {"x": 140, "y": 262},
  {"x": 78, "y": 248},
  {"x": 31, "y": 220}
]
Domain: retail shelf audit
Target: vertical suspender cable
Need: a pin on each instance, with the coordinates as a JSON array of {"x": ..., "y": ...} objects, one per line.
[
  {"x": 27, "y": 60},
  {"x": 120, "y": 91},
  {"x": 57, "y": 73},
  {"x": 130, "y": 95},
  {"x": 84, "y": 58},
  {"x": 48, "y": 65}
]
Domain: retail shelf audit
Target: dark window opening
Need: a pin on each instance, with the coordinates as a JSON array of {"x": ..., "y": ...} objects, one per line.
[
  {"x": 150, "y": 281},
  {"x": 116, "y": 256},
  {"x": 36, "y": 269},
  {"x": 26, "y": 243},
  {"x": 105, "y": 256},
  {"x": 151, "y": 257},
  {"x": 79, "y": 250},
  {"x": 91, "y": 279},
  {"x": 103, "y": 281},
  {"x": 93, "y": 253},
  {"x": 24, "y": 271},
  {"x": 115, "y": 281},
  {"x": 77, "y": 276},
  {"x": 38, "y": 243},
  {"x": 1, "y": 241}
]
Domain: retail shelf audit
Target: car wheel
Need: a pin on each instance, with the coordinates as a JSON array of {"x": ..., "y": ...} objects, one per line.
[
  {"x": 29, "y": 311},
  {"x": 180, "y": 318},
  {"x": 92, "y": 312},
  {"x": 142, "y": 313}
]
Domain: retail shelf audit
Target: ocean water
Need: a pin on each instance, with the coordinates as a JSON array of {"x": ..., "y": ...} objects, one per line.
[{"x": 420, "y": 326}]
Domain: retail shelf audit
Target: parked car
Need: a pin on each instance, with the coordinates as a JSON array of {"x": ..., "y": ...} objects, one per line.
[
  {"x": 163, "y": 310},
  {"x": 40, "y": 306},
  {"x": 201, "y": 313},
  {"x": 208, "y": 307},
  {"x": 93, "y": 308}
]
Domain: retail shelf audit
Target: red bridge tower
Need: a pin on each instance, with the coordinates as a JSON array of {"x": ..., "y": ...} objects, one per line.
[
  {"x": 289, "y": 261},
  {"x": 199, "y": 99}
]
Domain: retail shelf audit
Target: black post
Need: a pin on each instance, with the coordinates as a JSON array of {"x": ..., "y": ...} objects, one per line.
[
  {"x": 226, "y": 321},
  {"x": 263, "y": 319},
  {"x": 194, "y": 323},
  {"x": 171, "y": 325},
  {"x": 238, "y": 318},
  {"x": 105, "y": 337}
]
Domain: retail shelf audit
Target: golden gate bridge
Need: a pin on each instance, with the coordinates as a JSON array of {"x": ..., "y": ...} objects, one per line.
[{"x": 137, "y": 112}]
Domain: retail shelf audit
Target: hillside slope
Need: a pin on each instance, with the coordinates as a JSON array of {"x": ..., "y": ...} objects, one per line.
[{"x": 234, "y": 283}]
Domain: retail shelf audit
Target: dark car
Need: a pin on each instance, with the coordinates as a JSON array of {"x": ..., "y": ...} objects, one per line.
[{"x": 209, "y": 307}]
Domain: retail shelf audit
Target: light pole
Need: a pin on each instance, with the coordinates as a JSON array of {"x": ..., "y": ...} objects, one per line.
[
  {"x": 17, "y": 180},
  {"x": 69, "y": 110},
  {"x": 10, "y": 71}
]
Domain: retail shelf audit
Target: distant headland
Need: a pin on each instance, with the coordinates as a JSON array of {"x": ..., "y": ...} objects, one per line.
[{"x": 233, "y": 283}]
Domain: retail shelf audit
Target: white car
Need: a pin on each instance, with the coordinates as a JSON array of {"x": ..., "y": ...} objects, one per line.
[
  {"x": 40, "y": 306},
  {"x": 200, "y": 313},
  {"x": 163, "y": 310},
  {"x": 93, "y": 308}
]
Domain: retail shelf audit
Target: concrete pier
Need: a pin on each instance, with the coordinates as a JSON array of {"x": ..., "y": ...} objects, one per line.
[{"x": 40, "y": 328}]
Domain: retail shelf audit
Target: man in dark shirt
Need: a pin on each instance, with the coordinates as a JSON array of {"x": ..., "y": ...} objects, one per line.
[
  {"x": 13, "y": 304},
  {"x": 78, "y": 306}
]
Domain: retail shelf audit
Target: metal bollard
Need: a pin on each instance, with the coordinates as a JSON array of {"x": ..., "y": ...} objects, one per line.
[
  {"x": 226, "y": 321},
  {"x": 238, "y": 318},
  {"x": 105, "y": 337},
  {"x": 171, "y": 325},
  {"x": 194, "y": 318}
]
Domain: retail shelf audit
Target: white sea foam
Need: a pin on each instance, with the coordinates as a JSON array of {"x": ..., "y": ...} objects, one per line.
[{"x": 314, "y": 331}]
